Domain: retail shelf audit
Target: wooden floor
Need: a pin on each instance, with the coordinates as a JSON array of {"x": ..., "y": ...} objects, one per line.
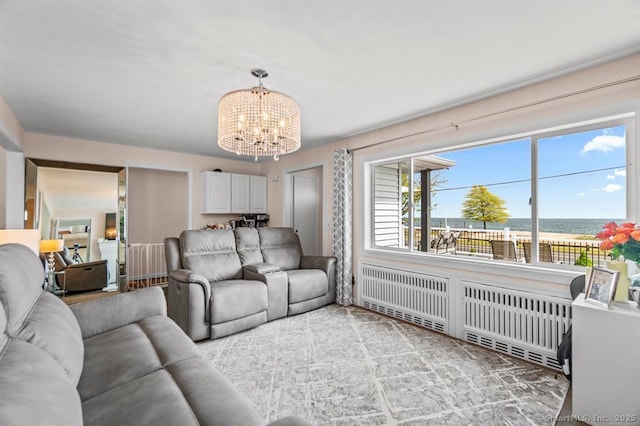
[
  {"x": 72, "y": 298},
  {"x": 564, "y": 416}
]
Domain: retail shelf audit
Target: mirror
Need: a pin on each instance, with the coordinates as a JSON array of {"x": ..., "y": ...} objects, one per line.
[{"x": 83, "y": 204}]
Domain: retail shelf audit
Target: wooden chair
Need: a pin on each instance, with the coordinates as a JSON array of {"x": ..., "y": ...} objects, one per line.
[
  {"x": 544, "y": 252},
  {"x": 504, "y": 250}
]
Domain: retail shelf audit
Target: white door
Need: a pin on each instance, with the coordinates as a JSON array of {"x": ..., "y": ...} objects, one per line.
[{"x": 307, "y": 212}]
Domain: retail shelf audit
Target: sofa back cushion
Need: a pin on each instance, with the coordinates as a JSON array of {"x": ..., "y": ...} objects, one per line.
[
  {"x": 248, "y": 246},
  {"x": 34, "y": 390},
  {"x": 35, "y": 316},
  {"x": 210, "y": 253},
  {"x": 280, "y": 247},
  {"x": 172, "y": 253}
]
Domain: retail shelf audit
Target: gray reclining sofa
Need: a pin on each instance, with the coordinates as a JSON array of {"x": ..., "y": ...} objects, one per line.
[
  {"x": 223, "y": 281},
  {"x": 118, "y": 360}
]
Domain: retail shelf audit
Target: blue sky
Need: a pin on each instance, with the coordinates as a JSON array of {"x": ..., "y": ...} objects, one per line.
[{"x": 597, "y": 195}]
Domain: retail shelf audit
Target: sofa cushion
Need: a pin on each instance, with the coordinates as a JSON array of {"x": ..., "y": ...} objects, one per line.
[
  {"x": 248, "y": 246},
  {"x": 210, "y": 253},
  {"x": 61, "y": 338},
  {"x": 305, "y": 284},
  {"x": 34, "y": 390},
  {"x": 235, "y": 299},
  {"x": 29, "y": 310},
  {"x": 281, "y": 247},
  {"x": 153, "y": 399},
  {"x": 20, "y": 285},
  {"x": 115, "y": 358},
  {"x": 189, "y": 392},
  {"x": 131, "y": 352}
]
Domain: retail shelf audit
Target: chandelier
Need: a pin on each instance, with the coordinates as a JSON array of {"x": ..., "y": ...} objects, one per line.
[{"x": 258, "y": 121}]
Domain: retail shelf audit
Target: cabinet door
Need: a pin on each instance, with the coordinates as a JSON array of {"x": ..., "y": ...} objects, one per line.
[
  {"x": 240, "y": 194},
  {"x": 216, "y": 197},
  {"x": 258, "y": 194}
]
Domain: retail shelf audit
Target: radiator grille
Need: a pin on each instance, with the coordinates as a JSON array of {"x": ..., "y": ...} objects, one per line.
[
  {"x": 524, "y": 325},
  {"x": 418, "y": 298}
]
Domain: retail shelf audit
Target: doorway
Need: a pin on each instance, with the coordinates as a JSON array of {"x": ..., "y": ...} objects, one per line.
[{"x": 306, "y": 208}]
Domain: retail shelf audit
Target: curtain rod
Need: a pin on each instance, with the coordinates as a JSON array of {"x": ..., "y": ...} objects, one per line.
[{"x": 501, "y": 112}]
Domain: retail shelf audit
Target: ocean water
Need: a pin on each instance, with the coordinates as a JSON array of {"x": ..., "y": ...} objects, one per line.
[{"x": 568, "y": 226}]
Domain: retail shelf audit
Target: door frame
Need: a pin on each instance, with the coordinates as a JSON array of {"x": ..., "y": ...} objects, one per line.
[{"x": 287, "y": 199}]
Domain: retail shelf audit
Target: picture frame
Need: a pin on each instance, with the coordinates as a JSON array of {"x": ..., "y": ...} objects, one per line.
[{"x": 601, "y": 286}]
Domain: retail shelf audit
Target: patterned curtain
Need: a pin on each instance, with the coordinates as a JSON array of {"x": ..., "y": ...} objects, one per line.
[{"x": 342, "y": 171}]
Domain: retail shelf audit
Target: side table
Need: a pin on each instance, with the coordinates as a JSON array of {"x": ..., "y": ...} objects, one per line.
[
  {"x": 52, "y": 285},
  {"x": 605, "y": 372}
]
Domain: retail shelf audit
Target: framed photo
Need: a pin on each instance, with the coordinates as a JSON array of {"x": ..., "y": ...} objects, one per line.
[{"x": 601, "y": 287}]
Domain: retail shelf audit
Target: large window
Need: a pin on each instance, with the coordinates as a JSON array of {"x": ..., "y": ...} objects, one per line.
[{"x": 537, "y": 199}]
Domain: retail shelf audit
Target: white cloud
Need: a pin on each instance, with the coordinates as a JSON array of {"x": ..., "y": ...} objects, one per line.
[
  {"x": 612, "y": 187},
  {"x": 611, "y": 177},
  {"x": 604, "y": 143},
  {"x": 622, "y": 173},
  {"x": 580, "y": 194},
  {"x": 594, "y": 189}
]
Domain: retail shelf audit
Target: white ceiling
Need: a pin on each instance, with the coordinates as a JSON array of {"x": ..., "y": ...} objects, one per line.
[{"x": 150, "y": 73}]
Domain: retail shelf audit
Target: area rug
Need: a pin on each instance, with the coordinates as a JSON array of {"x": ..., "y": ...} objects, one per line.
[{"x": 350, "y": 366}]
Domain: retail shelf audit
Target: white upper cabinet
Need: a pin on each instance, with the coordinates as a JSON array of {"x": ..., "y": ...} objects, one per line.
[
  {"x": 258, "y": 202},
  {"x": 216, "y": 192},
  {"x": 233, "y": 193},
  {"x": 240, "y": 193}
]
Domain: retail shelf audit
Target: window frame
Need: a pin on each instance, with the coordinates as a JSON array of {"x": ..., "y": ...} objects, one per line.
[{"x": 632, "y": 186}]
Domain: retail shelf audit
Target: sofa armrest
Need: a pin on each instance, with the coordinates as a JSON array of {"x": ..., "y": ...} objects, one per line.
[
  {"x": 189, "y": 303},
  {"x": 186, "y": 276},
  {"x": 86, "y": 264},
  {"x": 326, "y": 264},
  {"x": 262, "y": 268},
  {"x": 108, "y": 313},
  {"x": 277, "y": 291}
]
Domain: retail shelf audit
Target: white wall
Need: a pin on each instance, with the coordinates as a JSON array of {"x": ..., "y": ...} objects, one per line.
[
  {"x": 11, "y": 173},
  {"x": 13, "y": 190}
]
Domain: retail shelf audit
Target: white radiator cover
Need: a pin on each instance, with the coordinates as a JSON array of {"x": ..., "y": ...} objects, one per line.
[
  {"x": 525, "y": 325},
  {"x": 519, "y": 323},
  {"x": 413, "y": 297}
]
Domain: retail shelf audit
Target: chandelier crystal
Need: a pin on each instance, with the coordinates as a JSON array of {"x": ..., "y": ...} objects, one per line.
[{"x": 258, "y": 121}]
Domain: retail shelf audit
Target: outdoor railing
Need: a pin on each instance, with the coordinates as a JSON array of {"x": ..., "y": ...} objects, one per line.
[{"x": 477, "y": 242}]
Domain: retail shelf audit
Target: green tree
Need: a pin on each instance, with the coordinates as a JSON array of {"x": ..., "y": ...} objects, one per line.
[{"x": 481, "y": 205}]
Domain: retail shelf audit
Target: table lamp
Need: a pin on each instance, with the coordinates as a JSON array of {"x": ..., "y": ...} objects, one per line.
[{"x": 51, "y": 246}]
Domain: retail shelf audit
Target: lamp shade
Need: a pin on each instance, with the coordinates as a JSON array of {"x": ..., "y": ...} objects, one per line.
[
  {"x": 48, "y": 246},
  {"x": 26, "y": 237}
]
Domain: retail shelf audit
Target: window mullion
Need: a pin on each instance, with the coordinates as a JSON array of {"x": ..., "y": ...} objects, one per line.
[
  {"x": 410, "y": 204},
  {"x": 534, "y": 200}
]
